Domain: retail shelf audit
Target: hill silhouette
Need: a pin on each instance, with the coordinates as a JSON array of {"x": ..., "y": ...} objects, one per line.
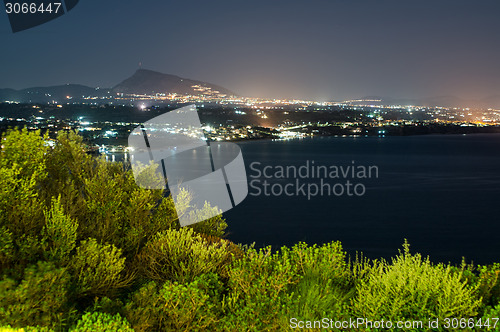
[{"x": 151, "y": 82}]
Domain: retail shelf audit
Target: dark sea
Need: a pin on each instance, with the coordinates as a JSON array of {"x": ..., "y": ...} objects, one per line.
[{"x": 442, "y": 193}]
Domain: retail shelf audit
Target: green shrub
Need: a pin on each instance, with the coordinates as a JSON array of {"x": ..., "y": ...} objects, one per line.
[
  {"x": 326, "y": 282},
  {"x": 413, "y": 288},
  {"x": 22, "y": 168},
  {"x": 25, "y": 329},
  {"x": 7, "y": 251},
  {"x": 489, "y": 284},
  {"x": 492, "y": 316},
  {"x": 98, "y": 269},
  {"x": 176, "y": 307},
  {"x": 101, "y": 322},
  {"x": 486, "y": 279},
  {"x": 60, "y": 233},
  {"x": 259, "y": 291},
  {"x": 143, "y": 310},
  {"x": 181, "y": 255},
  {"x": 211, "y": 225},
  {"x": 233, "y": 248},
  {"x": 39, "y": 299}
]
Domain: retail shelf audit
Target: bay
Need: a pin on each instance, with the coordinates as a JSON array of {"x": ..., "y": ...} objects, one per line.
[{"x": 442, "y": 193}]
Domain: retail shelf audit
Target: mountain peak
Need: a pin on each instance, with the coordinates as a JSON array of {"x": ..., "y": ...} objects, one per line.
[
  {"x": 145, "y": 81},
  {"x": 149, "y": 72}
]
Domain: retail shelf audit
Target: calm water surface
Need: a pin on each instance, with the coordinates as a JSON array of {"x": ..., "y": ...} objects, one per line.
[{"x": 442, "y": 193}]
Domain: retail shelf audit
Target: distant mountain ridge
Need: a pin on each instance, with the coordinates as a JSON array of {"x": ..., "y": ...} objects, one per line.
[
  {"x": 141, "y": 82},
  {"x": 151, "y": 82},
  {"x": 59, "y": 93}
]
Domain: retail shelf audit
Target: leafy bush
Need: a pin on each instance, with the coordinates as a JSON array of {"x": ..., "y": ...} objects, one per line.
[
  {"x": 326, "y": 281},
  {"x": 493, "y": 317},
  {"x": 39, "y": 299},
  {"x": 143, "y": 310},
  {"x": 101, "y": 322},
  {"x": 25, "y": 329},
  {"x": 22, "y": 169},
  {"x": 181, "y": 255},
  {"x": 488, "y": 282},
  {"x": 7, "y": 251},
  {"x": 98, "y": 269},
  {"x": 259, "y": 291},
  {"x": 187, "y": 307},
  {"x": 413, "y": 288},
  {"x": 176, "y": 307},
  {"x": 60, "y": 233}
]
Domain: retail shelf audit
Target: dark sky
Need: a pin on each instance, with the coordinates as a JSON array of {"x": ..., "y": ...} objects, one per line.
[{"x": 295, "y": 48}]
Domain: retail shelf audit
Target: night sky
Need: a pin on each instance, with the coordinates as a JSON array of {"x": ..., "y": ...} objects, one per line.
[{"x": 323, "y": 50}]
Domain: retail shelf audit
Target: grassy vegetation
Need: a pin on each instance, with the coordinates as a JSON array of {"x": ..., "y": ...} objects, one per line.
[{"x": 82, "y": 248}]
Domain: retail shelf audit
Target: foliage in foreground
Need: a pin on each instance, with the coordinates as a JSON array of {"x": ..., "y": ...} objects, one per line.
[{"x": 82, "y": 248}]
